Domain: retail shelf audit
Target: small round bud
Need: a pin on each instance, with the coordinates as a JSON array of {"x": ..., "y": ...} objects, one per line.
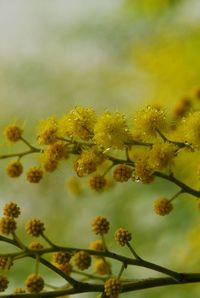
[
  {"x": 57, "y": 151},
  {"x": 34, "y": 227},
  {"x": 97, "y": 245},
  {"x": 5, "y": 262},
  {"x": 112, "y": 287},
  {"x": 49, "y": 165},
  {"x": 3, "y": 283},
  {"x": 14, "y": 169},
  {"x": 13, "y": 133},
  {"x": 19, "y": 291},
  {"x": 61, "y": 257},
  {"x": 7, "y": 225},
  {"x": 102, "y": 267},
  {"x": 82, "y": 260},
  {"x": 97, "y": 182},
  {"x": 34, "y": 175},
  {"x": 163, "y": 206},
  {"x": 34, "y": 283},
  {"x": 143, "y": 172},
  {"x": 35, "y": 245},
  {"x": 100, "y": 225},
  {"x": 11, "y": 210},
  {"x": 122, "y": 173},
  {"x": 122, "y": 236}
]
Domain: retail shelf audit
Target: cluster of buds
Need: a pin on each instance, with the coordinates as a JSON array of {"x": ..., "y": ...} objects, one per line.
[
  {"x": 100, "y": 225},
  {"x": 82, "y": 260},
  {"x": 35, "y": 227},
  {"x": 8, "y": 223}
]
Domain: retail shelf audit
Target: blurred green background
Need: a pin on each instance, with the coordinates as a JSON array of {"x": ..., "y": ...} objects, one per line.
[{"x": 115, "y": 55}]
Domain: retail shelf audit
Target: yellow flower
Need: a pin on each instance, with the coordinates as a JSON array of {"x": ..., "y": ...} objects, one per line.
[
  {"x": 111, "y": 130},
  {"x": 102, "y": 267},
  {"x": 143, "y": 171},
  {"x": 149, "y": 120},
  {"x": 47, "y": 131},
  {"x": 162, "y": 206},
  {"x": 162, "y": 155},
  {"x": 192, "y": 129},
  {"x": 88, "y": 161},
  {"x": 14, "y": 168},
  {"x": 78, "y": 123},
  {"x": 112, "y": 287},
  {"x": 13, "y": 133}
]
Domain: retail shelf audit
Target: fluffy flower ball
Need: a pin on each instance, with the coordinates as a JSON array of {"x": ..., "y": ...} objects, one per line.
[
  {"x": 11, "y": 209},
  {"x": 14, "y": 169},
  {"x": 163, "y": 206},
  {"x": 78, "y": 123},
  {"x": 82, "y": 260},
  {"x": 13, "y": 133},
  {"x": 148, "y": 120},
  {"x": 122, "y": 236},
  {"x": 111, "y": 131},
  {"x": 100, "y": 225},
  {"x": 112, "y": 287},
  {"x": 34, "y": 227},
  {"x": 34, "y": 283}
]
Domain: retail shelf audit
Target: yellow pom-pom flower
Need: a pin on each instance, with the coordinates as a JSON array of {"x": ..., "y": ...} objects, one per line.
[
  {"x": 111, "y": 131},
  {"x": 82, "y": 260},
  {"x": 163, "y": 206},
  {"x": 61, "y": 257},
  {"x": 14, "y": 169},
  {"x": 34, "y": 174},
  {"x": 112, "y": 287},
  {"x": 191, "y": 127},
  {"x": 78, "y": 123},
  {"x": 143, "y": 171},
  {"x": 47, "y": 131},
  {"x": 11, "y": 210},
  {"x": 97, "y": 182},
  {"x": 13, "y": 133},
  {"x": 100, "y": 225},
  {"x": 48, "y": 164},
  {"x": 161, "y": 155},
  {"x": 34, "y": 283},
  {"x": 97, "y": 245},
  {"x": 7, "y": 225},
  {"x": 102, "y": 267},
  {"x": 149, "y": 120},
  {"x": 88, "y": 161},
  {"x": 34, "y": 227},
  {"x": 56, "y": 151},
  {"x": 122, "y": 236},
  {"x": 122, "y": 173}
]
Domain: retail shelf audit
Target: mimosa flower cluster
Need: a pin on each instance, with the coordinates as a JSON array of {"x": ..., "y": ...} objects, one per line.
[
  {"x": 139, "y": 147},
  {"x": 64, "y": 261}
]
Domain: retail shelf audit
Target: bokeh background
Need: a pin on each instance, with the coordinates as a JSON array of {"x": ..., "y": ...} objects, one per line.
[{"x": 115, "y": 55}]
